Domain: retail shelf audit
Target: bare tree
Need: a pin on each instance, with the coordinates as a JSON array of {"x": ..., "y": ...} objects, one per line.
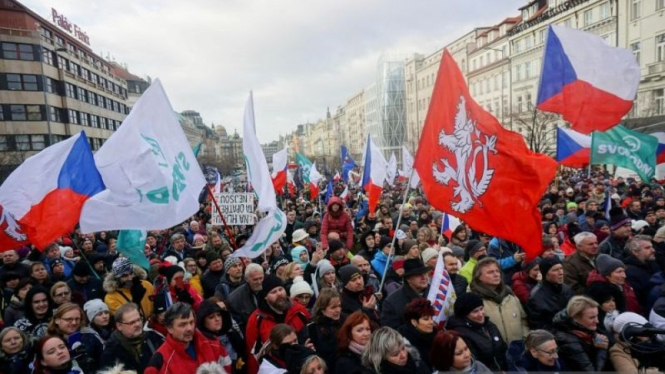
[
  {"x": 9, "y": 161},
  {"x": 539, "y": 132}
]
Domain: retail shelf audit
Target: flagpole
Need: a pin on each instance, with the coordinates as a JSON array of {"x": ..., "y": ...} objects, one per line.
[
  {"x": 399, "y": 222},
  {"x": 226, "y": 227}
]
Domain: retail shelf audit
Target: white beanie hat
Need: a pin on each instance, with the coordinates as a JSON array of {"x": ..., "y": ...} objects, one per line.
[
  {"x": 94, "y": 307},
  {"x": 628, "y": 318},
  {"x": 300, "y": 287},
  {"x": 428, "y": 254}
]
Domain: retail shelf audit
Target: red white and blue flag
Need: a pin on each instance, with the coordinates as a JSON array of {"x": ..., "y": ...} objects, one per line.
[
  {"x": 374, "y": 173},
  {"x": 279, "y": 166},
  {"x": 42, "y": 199},
  {"x": 590, "y": 83},
  {"x": 660, "y": 152},
  {"x": 572, "y": 148},
  {"x": 449, "y": 224},
  {"x": 441, "y": 292}
]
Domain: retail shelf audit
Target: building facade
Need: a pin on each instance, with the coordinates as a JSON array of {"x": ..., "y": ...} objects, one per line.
[{"x": 52, "y": 86}]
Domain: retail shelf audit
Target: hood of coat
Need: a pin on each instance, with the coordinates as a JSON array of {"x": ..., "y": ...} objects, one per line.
[
  {"x": 335, "y": 200},
  {"x": 111, "y": 284},
  {"x": 207, "y": 308}
]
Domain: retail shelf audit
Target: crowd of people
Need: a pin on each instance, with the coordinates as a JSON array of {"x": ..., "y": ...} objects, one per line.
[{"x": 345, "y": 291}]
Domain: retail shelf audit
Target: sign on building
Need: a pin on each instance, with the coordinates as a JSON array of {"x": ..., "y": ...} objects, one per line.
[{"x": 237, "y": 208}]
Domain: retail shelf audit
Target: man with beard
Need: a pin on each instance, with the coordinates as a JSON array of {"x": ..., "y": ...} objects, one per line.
[
  {"x": 640, "y": 266},
  {"x": 232, "y": 278},
  {"x": 185, "y": 348},
  {"x": 244, "y": 300},
  {"x": 365, "y": 268},
  {"x": 216, "y": 244},
  {"x": 130, "y": 345},
  {"x": 620, "y": 230},
  {"x": 274, "y": 308}
]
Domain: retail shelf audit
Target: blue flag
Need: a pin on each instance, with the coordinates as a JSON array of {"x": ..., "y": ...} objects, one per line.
[
  {"x": 347, "y": 164},
  {"x": 329, "y": 192}
]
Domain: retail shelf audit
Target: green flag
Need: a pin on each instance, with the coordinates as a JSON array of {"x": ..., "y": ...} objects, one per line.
[
  {"x": 197, "y": 149},
  {"x": 131, "y": 243},
  {"x": 305, "y": 166},
  {"x": 629, "y": 149}
]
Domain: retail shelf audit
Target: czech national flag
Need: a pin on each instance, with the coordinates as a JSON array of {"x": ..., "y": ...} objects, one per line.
[
  {"x": 279, "y": 166},
  {"x": 449, "y": 224},
  {"x": 42, "y": 199},
  {"x": 660, "y": 152},
  {"x": 572, "y": 148},
  {"x": 374, "y": 173},
  {"x": 590, "y": 83}
]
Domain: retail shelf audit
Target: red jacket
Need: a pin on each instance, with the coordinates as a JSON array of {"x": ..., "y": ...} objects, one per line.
[
  {"x": 259, "y": 325},
  {"x": 172, "y": 358},
  {"x": 339, "y": 223},
  {"x": 630, "y": 303},
  {"x": 522, "y": 285}
]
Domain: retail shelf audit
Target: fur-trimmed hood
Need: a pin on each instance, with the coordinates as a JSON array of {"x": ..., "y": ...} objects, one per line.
[{"x": 111, "y": 284}]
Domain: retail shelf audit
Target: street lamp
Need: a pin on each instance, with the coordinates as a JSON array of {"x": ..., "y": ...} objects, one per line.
[{"x": 510, "y": 78}]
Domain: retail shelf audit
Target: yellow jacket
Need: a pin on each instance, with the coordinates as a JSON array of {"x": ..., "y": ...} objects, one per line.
[
  {"x": 195, "y": 283},
  {"x": 116, "y": 296},
  {"x": 509, "y": 317}
]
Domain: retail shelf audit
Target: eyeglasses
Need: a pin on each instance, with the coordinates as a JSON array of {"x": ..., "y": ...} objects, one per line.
[
  {"x": 62, "y": 294},
  {"x": 553, "y": 353},
  {"x": 134, "y": 322}
]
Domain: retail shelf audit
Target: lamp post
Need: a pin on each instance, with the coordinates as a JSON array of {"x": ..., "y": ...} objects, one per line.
[{"x": 503, "y": 86}]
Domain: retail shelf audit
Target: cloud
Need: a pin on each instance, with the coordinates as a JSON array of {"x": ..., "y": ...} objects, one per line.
[{"x": 299, "y": 57}]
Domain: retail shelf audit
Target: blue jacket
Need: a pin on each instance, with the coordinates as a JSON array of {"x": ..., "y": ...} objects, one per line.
[{"x": 380, "y": 262}]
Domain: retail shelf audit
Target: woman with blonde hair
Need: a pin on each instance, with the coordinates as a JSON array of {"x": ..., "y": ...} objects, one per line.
[
  {"x": 84, "y": 343},
  {"x": 387, "y": 353},
  {"x": 60, "y": 293}
]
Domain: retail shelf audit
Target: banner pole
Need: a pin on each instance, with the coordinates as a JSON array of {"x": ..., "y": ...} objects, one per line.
[
  {"x": 399, "y": 221},
  {"x": 226, "y": 227}
]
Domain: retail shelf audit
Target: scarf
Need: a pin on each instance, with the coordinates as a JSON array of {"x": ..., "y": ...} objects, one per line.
[
  {"x": 357, "y": 348},
  {"x": 132, "y": 345},
  {"x": 490, "y": 294}
]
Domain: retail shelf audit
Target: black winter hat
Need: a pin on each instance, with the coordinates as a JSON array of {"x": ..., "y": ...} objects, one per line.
[
  {"x": 547, "y": 263},
  {"x": 471, "y": 248},
  {"x": 170, "y": 271},
  {"x": 295, "y": 355},
  {"x": 347, "y": 273},
  {"x": 270, "y": 282},
  {"x": 82, "y": 269},
  {"x": 606, "y": 264},
  {"x": 385, "y": 240},
  {"x": 159, "y": 303},
  {"x": 466, "y": 303},
  {"x": 335, "y": 245},
  {"x": 527, "y": 266},
  {"x": 618, "y": 218},
  {"x": 212, "y": 256}
]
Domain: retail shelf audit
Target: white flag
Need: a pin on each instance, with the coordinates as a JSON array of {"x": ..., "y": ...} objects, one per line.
[
  {"x": 314, "y": 175},
  {"x": 391, "y": 171},
  {"x": 257, "y": 167},
  {"x": 441, "y": 292},
  {"x": 152, "y": 178},
  {"x": 273, "y": 225},
  {"x": 407, "y": 166}
]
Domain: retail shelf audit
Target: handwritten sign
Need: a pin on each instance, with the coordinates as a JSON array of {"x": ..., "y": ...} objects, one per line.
[{"x": 237, "y": 208}]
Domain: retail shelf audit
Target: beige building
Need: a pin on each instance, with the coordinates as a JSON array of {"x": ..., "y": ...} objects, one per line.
[{"x": 354, "y": 136}]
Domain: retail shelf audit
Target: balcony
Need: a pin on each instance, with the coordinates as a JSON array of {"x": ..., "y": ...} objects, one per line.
[{"x": 655, "y": 71}]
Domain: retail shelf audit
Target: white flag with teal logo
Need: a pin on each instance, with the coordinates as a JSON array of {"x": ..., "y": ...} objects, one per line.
[
  {"x": 272, "y": 226},
  {"x": 131, "y": 243},
  {"x": 151, "y": 175}
]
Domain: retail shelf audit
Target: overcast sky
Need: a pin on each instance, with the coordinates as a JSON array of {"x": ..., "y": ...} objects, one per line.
[{"x": 298, "y": 56}]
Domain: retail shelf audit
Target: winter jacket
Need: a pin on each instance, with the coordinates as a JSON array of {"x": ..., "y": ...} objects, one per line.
[
  {"x": 467, "y": 270},
  {"x": 116, "y": 296},
  {"x": 420, "y": 341},
  {"x": 626, "y": 300},
  {"x": 173, "y": 358},
  {"x": 476, "y": 367},
  {"x": 522, "y": 285},
  {"x": 484, "y": 341},
  {"x": 262, "y": 320},
  {"x": 92, "y": 289},
  {"x": 14, "y": 311},
  {"x": 230, "y": 336},
  {"x": 339, "y": 222},
  {"x": 117, "y": 352},
  {"x": 529, "y": 364},
  {"x": 639, "y": 274},
  {"x": 195, "y": 283},
  {"x": 351, "y": 302},
  {"x": 392, "y": 310},
  {"x": 89, "y": 351},
  {"x": 209, "y": 281},
  {"x": 459, "y": 283},
  {"x": 18, "y": 363},
  {"x": 323, "y": 334},
  {"x": 242, "y": 303},
  {"x": 413, "y": 366},
  {"x": 546, "y": 300},
  {"x": 613, "y": 246},
  {"x": 624, "y": 363},
  {"x": 576, "y": 350},
  {"x": 271, "y": 366},
  {"x": 576, "y": 269},
  {"x": 504, "y": 251},
  {"x": 657, "y": 315},
  {"x": 225, "y": 287},
  {"x": 348, "y": 362},
  {"x": 509, "y": 317},
  {"x": 380, "y": 262}
]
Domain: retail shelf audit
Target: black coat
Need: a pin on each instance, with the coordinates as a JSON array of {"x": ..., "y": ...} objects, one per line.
[
  {"x": 242, "y": 303},
  {"x": 323, "y": 334},
  {"x": 421, "y": 342},
  {"x": 576, "y": 353},
  {"x": 412, "y": 367},
  {"x": 92, "y": 289},
  {"x": 545, "y": 301},
  {"x": 392, "y": 313},
  {"x": 459, "y": 283},
  {"x": 115, "y": 352},
  {"x": 484, "y": 341},
  {"x": 638, "y": 275},
  {"x": 348, "y": 362},
  {"x": 351, "y": 303},
  {"x": 209, "y": 281}
]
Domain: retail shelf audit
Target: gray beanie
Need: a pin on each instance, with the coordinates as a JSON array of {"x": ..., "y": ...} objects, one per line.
[
  {"x": 94, "y": 307},
  {"x": 323, "y": 267},
  {"x": 606, "y": 264},
  {"x": 230, "y": 262}
]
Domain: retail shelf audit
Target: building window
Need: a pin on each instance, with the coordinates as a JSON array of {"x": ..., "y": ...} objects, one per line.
[
  {"x": 38, "y": 142},
  {"x": 4, "y": 143},
  {"x": 518, "y": 73},
  {"x": 47, "y": 56},
  {"x": 517, "y": 46},
  {"x": 481, "y": 87},
  {"x": 541, "y": 36},
  {"x": 62, "y": 62},
  {"x": 660, "y": 47},
  {"x": 34, "y": 112},
  {"x": 529, "y": 105},
  {"x": 482, "y": 61},
  {"x": 74, "y": 68},
  {"x": 635, "y": 48},
  {"x": 93, "y": 77},
  {"x": 94, "y": 121},
  {"x": 15, "y": 51},
  {"x": 568, "y": 23},
  {"x": 588, "y": 17},
  {"x": 488, "y": 88},
  {"x": 604, "y": 11},
  {"x": 527, "y": 70},
  {"x": 92, "y": 98},
  {"x": 81, "y": 94},
  {"x": 519, "y": 104},
  {"x": 635, "y": 9},
  {"x": 73, "y": 116},
  {"x": 660, "y": 4},
  {"x": 659, "y": 101},
  {"x": 102, "y": 123},
  {"x": 59, "y": 41},
  {"x": 496, "y": 83},
  {"x": 18, "y": 112},
  {"x": 50, "y": 85},
  {"x": 22, "y": 142},
  {"x": 528, "y": 41},
  {"x": 70, "y": 90},
  {"x": 85, "y": 74},
  {"x": 475, "y": 89},
  {"x": 83, "y": 117},
  {"x": 22, "y": 82},
  {"x": 56, "y": 114},
  {"x": 473, "y": 65}
]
